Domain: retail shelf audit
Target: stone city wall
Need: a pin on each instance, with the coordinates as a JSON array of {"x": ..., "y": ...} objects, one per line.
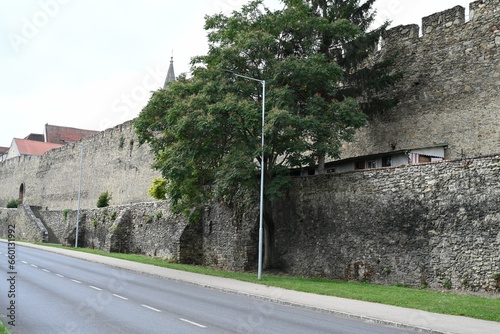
[
  {"x": 418, "y": 225},
  {"x": 449, "y": 92},
  {"x": 422, "y": 224},
  {"x": 431, "y": 224},
  {"x": 112, "y": 161},
  {"x": 147, "y": 228},
  {"x": 230, "y": 234},
  {"x": 27, "y": 227}
]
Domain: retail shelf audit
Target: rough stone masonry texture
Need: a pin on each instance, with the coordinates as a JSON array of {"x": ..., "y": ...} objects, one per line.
[
  {"x": 450, "y": 88},
  {"x": 416, "y": 225},
  {"x": 425, "y": 224}
]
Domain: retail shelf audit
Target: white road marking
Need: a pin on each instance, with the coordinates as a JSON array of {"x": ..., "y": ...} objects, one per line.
[
  {"x": 94, "y": 287},
  {"x": 151, "y": 308},
  {"x": 74, "y": 280},
  {"x": 24, "y": 262},
  {"x": 46, "y": 270},
  {"x": 192, "y": 323},
  {"x": 34, "y": 266},
  {"x": 118, "y": 296},
  {"x": 59, "y": 275}
]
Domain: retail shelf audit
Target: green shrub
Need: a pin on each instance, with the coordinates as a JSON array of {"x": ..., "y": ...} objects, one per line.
[
  {"x": 159, "y": 214},
  {"x": 65, "y": 213},
  {"x": 121, "y": 142},
  {"x": 158, "y": 189},
  {"x": 113, "y": 215},
  {"x": 13, "y": 203},
  {"x": 103, "y": 200},
  {"x": 447, "y": 284},
  {"x": 149, "y": 219}
]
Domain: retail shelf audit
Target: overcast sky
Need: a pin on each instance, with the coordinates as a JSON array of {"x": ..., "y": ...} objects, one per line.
[{"x": 92, "y": 64}]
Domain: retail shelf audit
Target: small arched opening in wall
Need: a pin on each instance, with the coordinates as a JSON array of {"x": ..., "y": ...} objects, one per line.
[{"x": 21, "y": 192}]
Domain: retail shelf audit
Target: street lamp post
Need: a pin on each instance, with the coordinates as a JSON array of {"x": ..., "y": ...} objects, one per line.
[{"x": 261, "y": 210}]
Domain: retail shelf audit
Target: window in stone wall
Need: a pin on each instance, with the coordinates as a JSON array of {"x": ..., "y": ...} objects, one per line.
[
  {"x": 371, "y": 164},
  {"x": 359, "y": 165},
  {"x": 422, "y": 159},
  {"x": 387, "y": 161},
  {"x": 21, "y": 193}
]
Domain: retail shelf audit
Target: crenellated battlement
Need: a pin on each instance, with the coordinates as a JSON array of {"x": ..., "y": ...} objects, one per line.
[
  {"x": 400, "y": 34},
  {"x": 482, "y": 13},
  {"x": 449, "y": 88},
  {"x": 443, "y": 20}
]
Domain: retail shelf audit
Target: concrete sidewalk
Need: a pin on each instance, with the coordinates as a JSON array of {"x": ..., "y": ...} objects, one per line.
[{"x": 379, "y": 313}]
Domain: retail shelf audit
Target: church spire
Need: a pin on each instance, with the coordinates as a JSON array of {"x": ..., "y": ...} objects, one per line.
[{"x": 170, "y": 74}]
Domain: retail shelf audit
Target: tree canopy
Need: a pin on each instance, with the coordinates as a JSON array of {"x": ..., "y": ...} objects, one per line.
[{"x": 205, "y": 130}]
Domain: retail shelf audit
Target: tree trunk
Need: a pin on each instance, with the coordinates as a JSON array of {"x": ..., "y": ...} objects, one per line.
[
  {"x": 269, "y": 238},
  {"x": 321, "y": 164}
]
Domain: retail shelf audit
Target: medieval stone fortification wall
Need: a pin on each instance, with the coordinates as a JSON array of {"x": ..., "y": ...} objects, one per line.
[
  {"x": 421, "y": 224},
  {"x": 147, "y": 228},
  {"x": 112, "y": 161},
  {"x": 26, "y": 226},
  {"x": 450, "y": 88}
]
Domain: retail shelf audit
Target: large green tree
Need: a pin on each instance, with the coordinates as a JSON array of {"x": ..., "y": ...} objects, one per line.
[
  {"x": 362, "y": 79},
  {"x": 205, "y": 130}
]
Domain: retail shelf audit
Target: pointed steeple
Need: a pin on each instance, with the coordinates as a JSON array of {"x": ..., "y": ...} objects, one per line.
[{"x": 170, "y": 74}]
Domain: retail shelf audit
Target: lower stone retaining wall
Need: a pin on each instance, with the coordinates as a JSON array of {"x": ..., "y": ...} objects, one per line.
[
  {"x": 435, "y": 224},
  {"x": 8, "y": 217},
  {"x": 144, "y": 228},
  {"x": 27, "y": 226},
  {"x": 230, "y": 235}
]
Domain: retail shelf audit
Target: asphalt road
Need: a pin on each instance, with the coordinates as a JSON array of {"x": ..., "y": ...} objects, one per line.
[{"x": 59, "y": 294}]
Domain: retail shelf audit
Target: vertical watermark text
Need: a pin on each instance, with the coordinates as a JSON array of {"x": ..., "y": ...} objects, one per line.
[{"x": 11, "y": 273}]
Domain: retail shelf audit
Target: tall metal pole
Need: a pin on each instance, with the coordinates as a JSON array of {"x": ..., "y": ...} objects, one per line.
[
  {"x": 79, "y": 195},
  {"x": 262, "y": 167}
]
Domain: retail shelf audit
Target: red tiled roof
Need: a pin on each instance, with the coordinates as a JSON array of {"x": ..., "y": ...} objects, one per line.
[
  {"x": 63, "y": 135},
  {"x": 32, "y": 147},
  {"x": 35, "y": 136}
]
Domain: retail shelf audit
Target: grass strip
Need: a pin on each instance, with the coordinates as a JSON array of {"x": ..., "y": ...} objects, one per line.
[
  {"x": 421, "y": 299},
  {"x": 3, "y": 329}
]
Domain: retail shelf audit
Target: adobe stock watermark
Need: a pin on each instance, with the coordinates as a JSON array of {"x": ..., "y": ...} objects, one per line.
[
  {"x": 129, "y": 103},
  {"x": 96, "y": 303},
  {"x": 31, "y": 26},
  {"x": 12, "y": 274},
  {"x": 262, "y": 309},
  {"x": 387, "y": 11}
]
